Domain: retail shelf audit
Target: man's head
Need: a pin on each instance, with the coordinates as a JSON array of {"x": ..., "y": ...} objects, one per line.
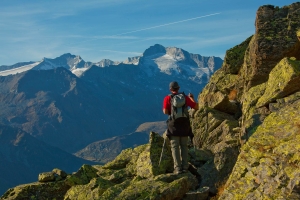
[{"x": 174, "y": 87}]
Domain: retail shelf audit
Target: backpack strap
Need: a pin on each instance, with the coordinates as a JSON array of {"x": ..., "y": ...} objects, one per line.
[{"x": 171, "y": 116}]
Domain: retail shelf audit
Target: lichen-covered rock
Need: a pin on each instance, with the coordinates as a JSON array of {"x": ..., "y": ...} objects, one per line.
[
  {"x": 269, "y": 164},
  {"x": 215, "y": 133},
  {"x": 120, "y": 161},
  {"x": 40, "y": 191},
  {"x": 275, "y": 38},
  {"x": 283, "y": 80},
  {"x": 82, "y": 176},
  {"x": 93, "y": 190},
  {"x": 46, "y": 177},
  {"x": 215, "y": 93},
  {"x": 60, "y": 172},
  {"x": 200, "y": 194},
  {"x": 280, "y": 103},
  {"x": 249, "y": 101},
  {"x": 148, "y": 162},
  {"x": 234, "y": 58},
  {"x": 162, "y": 187}
]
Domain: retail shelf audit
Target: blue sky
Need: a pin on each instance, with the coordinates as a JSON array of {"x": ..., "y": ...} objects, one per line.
[{"x": 117, "y": 29}]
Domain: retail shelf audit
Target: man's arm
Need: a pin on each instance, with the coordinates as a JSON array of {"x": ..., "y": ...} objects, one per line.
[
  {"x": 191, "y": 96},
  {"x": 166, "y": 105},
  {"x": 166, "y": 111}
]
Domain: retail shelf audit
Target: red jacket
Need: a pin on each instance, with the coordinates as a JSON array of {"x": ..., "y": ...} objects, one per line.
[{"x": 167, "y": 103}]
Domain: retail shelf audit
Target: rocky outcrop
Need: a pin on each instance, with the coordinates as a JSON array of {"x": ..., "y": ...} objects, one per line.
[
  {"x": 248, "y": 113},
  {"x": 134, "y": 174},
  {"x": 275, "y": 38}
]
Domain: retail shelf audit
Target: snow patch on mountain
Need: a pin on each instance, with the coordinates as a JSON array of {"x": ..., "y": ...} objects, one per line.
[
  {"x": 19, "y": 69},
  {"x": 79, "y": 71},
  {"x": 45, "y": 64}
]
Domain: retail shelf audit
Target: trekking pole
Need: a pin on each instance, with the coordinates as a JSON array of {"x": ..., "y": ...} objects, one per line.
[{"x": 162, "y": 151}]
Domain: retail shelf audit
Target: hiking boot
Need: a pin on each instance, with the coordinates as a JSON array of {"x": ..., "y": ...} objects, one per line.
[{"x": 177, "y": 171}]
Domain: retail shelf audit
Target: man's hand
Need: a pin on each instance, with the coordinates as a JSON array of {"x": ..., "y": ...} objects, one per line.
[{"x": 166, "y": 111}]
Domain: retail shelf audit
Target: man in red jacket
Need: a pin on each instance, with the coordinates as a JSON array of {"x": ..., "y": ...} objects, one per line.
[{"x": 179, "y": 128}]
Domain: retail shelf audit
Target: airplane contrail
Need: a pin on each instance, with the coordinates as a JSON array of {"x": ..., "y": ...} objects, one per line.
[{"x": 167, "y": 24}]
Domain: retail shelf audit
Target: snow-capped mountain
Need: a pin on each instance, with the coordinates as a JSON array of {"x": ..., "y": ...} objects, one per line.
[
  {"x": 106, "y": 62},
  {"x": 178, "y": 62},
  {"x": 156, "y": 59}
]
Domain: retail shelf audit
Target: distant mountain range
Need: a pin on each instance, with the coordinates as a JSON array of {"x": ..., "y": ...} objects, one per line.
[
  {"x": 68, "y": 103},
  {"x": 156, "y": 59},
  {"x": 82, "y": 102}
]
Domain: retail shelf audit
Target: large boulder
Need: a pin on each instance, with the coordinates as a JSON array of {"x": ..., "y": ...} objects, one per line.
[
  {"x": 46, "y": 177},
  {"x": 156, "y": 159},
  {"x": 283, "y": 80},
  {"x": 268, "y": 165},
  {"x": 38, "y": 190}
]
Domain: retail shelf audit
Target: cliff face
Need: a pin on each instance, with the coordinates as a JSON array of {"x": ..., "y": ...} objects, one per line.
[
  {"x": 248, "y": 115},
  {"x": 274, "y": 39}
]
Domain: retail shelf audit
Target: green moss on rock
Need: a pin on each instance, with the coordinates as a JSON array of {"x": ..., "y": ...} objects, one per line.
[
  {"x": 82, "y": 176},
  {"x": 148, "y": 162},
  {"x": 40, "y": 191},
  {"x": 268, "y": 166},
  {"x": 234, "y": 57},
  {"x": 93, "y": 190},
  {"x": 283, "y": 80},
  {"x": 120, "y": 161}
]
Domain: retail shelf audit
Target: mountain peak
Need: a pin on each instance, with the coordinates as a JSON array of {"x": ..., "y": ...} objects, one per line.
[
  {"x": 156, "y": 49},
  {"x": 177, "y": 53}
]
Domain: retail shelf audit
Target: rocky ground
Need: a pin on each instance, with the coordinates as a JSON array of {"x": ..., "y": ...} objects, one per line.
[{"x": 134, "y": 174}]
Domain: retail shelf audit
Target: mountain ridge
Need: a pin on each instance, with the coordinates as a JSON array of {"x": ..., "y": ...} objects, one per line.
[{"x": 77, "y": 65}]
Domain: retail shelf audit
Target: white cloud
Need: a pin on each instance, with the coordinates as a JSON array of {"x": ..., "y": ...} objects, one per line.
[{"x": 168, "y": 24}]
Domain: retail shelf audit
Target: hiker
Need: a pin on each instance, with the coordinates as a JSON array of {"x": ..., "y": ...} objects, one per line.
[{"x": 179, "y": 128}]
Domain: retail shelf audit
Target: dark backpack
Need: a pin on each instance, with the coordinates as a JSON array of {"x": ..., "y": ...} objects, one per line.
[{"x": 178, "y": 106}]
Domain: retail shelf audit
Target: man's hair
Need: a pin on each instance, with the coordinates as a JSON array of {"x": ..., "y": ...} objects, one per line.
[
  {"x": 174, "y": 90},
  {"x": 174, "y": 86}
]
